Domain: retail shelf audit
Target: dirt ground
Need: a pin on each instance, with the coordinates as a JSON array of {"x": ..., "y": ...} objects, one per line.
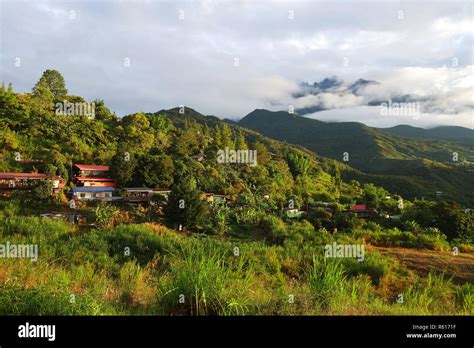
[{"x": 460, "y": 267}]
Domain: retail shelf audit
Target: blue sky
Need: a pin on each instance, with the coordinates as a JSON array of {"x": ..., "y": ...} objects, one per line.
[{"x": 227, "y": 58}]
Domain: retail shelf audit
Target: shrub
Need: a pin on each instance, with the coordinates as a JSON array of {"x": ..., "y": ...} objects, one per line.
[
  {"x": 432, "y": 295},
  {"x": 202, "y": 276},
  {"x": 274, "y": 227},
  {"x": 141, "y": 243},
  {"x": 11, "y": 208},
  {"x": 395, "y": 237},
  {"x": 374, "y": 265},
  {"x": 327, "y": 279},
  {"x": 24, "y": 301},
  {"x": 105, "y": 213},
  {"x": 465, "y": 298}
]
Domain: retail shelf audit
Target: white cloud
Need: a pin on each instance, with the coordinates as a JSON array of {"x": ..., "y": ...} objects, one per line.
[
  {"x": 450, "y": 27},
  {"x": 372, "y": 116},
  {"x": 190, "y": 61}
]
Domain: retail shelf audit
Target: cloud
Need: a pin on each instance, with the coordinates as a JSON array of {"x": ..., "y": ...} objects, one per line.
[
  {"x": 184, "y": 52},
  {"x": 372, "y": 116},
  {"x": 443, "y": 95}
]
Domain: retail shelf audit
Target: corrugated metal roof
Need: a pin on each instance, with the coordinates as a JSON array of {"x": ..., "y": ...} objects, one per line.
[
  {"x": 359, "y": 207},
  {"x": 89, "y": 178},
  {"x": 93, "y": 189},
  {"x": 91, "y": 167},
  {"x": 23, "y": 176},
  {"x": 137, "y": 189}
]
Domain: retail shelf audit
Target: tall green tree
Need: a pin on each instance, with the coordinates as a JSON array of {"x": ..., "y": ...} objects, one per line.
[
  {"x": 123, "y": 167},
  {"x": 185, "y": 206},
  {"x": 454, "y": 221},
  {"x": 298, "y": 164},
  {"x": 155, "y": 171},
  {"x": 240, "y": 143},
  {"x": 53, "y": 81}
]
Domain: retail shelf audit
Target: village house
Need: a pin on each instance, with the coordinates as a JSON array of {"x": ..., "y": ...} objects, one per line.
[
  {"x": 198, "y": 157},
  {"x": 72, "y": 218},
  {"x": 88, "y": 193},
  {"x": 22, "y": 181},
  {"x": 362, "y": 211},
  {"x": 143, "y": 194},
  {"x": 293, "y": 213},
  {"x": 327, "y": 206},
  {"x": 85, "y": 175},
  {"x": 212, "y": 198}
]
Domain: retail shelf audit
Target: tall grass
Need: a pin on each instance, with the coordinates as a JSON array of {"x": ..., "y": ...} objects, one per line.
[
  {"x": 40, "y": 301},
  {"x": 374, "y": 265},
  {"x": 208, "y": 281},
  {"x": 465, "y": 298},
  {"x": 327, "y": 278},
  {"x": 433, "y": 295},
  {"x": 397, "y": 238},
  {"x": 167, "y": 273}
]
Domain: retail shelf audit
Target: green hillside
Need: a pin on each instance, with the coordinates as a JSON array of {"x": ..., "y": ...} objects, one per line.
[
  {"x": 415, "y": 166},
  {"x": 442, "y": 132}
]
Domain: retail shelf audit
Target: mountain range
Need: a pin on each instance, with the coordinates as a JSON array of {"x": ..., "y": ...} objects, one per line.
[{"x": 412, "y": 161}]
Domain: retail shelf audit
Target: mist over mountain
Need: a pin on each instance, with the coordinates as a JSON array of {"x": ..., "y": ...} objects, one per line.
[{"x": 334, "y": 99}]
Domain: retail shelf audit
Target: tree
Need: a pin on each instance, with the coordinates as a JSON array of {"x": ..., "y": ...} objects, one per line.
[
  {"x": 43, "y": 100},
  {"x": 102, "y": 113},
  {"x": 374, "y": 195},
  {"x": 454, "y": 221},
  {"x": 240, "y": 143},
  {"x": 160, "y": 122},
  {"x": 136, "y": 133},
  {"x": 41, "y": 191},
  {"x": 12, "y": 114},
  {"x": 226, "y": 134},
  {"x": 219, "y": 218},
  {"x": 298, "y": 164},
  {"x": 263, "y": 156},
  {"x": 53, "y": 81},
  {"x": 105, "y": 213},
  {"x": 420, "y": 211},
  {"x": 123, "y": 167},
  {"x": 185, "y": 206},
  {"x": 155, "y": 171}
]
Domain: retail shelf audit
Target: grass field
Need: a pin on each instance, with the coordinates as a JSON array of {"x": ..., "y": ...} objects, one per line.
[{"x": 148, "y": 269}]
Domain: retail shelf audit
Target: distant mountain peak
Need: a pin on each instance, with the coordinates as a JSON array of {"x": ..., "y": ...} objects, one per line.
[
  {"x": 360, "y": 83},
  {"x": 330, "y": 82}
]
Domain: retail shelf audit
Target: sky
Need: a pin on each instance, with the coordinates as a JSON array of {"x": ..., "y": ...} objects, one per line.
[{"x": 227, "y": 58}]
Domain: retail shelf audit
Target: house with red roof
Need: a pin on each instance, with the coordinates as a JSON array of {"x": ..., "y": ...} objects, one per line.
[
  {"x": 22, "y": 181},
  {"x": 362, "y": 210},
  {"x": 87, "y": 175}
]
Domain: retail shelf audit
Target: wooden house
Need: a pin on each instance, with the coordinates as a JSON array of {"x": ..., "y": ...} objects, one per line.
[
  {"x": 87, "y": 193},
  {"x": 22, "y": 181},
  {"x": 198, "y": 157},
  {"x": 85, "y": 175},
  {"x": 143, "y": 194}
]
